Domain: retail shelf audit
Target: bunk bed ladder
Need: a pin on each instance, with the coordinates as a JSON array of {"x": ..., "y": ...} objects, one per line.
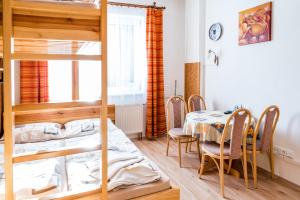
[{"x": 10, "y": 158}]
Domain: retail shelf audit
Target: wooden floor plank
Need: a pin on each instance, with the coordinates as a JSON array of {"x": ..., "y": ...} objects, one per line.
[{"x": 207, "y": 188}]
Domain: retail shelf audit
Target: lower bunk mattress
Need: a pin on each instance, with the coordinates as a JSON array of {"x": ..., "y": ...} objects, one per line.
[{"x": 130, "y": 173}]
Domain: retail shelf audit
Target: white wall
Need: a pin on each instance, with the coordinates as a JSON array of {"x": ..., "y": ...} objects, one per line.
[
  {"x": 194, "y": 30},
  {"x": 261, "y": 74}
]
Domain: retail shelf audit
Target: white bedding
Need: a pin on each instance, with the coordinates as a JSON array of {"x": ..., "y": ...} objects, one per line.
[{"x": 126, "y": 165}]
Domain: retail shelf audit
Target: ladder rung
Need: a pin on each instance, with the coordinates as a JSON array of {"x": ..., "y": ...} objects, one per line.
[
  {"x": 52, "y": 9},
  {"x": 58, "y": 152},
  {"x": 85, "y": 193},
  {"x": 32, "y": 56}
]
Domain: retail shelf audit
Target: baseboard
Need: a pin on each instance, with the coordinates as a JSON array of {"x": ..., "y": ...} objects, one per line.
[{"x": 276, "y": 177}]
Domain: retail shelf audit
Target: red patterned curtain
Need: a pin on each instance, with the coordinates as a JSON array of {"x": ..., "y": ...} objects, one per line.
[
  {"x": 155, "y": 117},
  {"x": 34, "y": 81}
]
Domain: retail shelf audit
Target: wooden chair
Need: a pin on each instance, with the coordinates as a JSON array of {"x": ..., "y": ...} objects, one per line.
[
  {"x": 176, "y": 111},
  {"x": 268, "y": 121},
  {"x": 237, "y": 126},
  {"x": 196, "y": 103}
]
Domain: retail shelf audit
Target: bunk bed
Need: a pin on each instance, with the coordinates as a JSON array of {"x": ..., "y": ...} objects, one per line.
[{"x": 63, "y": 30}]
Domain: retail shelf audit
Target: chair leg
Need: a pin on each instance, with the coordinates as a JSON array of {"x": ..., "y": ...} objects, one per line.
[
  {"x": 198, "y": 149},
  {"x": 229, "y": 166},
  {"x": 190, "y": 149},
  {"x": 221, "y": 174},
  {"x": 179, "y": 152},
  {"x": 168, "y": 143},
  {"x": 245, "y": 168},
  {"x": 202, "y": 164},
  {"x": 254, "y": 169},
  {"x": 186, "y": 146},
  {"x": 271, "y": 159}
]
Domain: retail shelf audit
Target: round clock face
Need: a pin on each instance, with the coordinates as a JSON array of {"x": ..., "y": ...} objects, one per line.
[{"x": 215, "y": 31}]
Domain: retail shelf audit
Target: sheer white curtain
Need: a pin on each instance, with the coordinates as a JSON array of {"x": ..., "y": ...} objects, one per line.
[
  {"x": 127, "y": 62},
  {"x": 60, "y": 80},
  {"x": 127, "y": 59}
]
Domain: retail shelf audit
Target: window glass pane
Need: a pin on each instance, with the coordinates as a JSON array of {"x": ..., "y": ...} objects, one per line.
[
  {"x": 127, "y": 63},
  {"x": 60, "y": 81},
  {"x": 89, "y": 80}
]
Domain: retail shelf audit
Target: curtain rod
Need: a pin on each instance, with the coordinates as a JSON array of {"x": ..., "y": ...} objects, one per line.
[{"x": 136, "y": 5}]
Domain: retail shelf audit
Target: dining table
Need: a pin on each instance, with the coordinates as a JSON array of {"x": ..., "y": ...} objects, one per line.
[{"x": 208, "y": 125}]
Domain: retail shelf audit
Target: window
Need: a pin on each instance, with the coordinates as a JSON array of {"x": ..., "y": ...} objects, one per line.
[
  {"x": 89, "y": 80},
  {"x": 60, "y": 81},
  {"x": 127, "y": 63},
  {"x": 126, "y": 60}
]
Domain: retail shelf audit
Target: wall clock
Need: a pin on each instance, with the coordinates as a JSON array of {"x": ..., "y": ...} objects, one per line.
[{"x": 215, "y": 31}]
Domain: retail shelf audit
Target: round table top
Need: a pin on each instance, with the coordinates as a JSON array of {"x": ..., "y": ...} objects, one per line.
[{"x": 207, "y": 117}]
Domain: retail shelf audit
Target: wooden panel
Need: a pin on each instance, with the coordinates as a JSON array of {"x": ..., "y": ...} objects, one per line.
[
  {"x": 59, "y": 112},
  {"x": 104, "y": 110},
  {"x": 55, "y": 28},
  {"x": 54, "y": 34},
  {"x": 60, "y": 105},
  {"x": 61, "y": 116},
  {"x": 75, "y": 80},
  {"x": 65, "y": 151},
  {"x": 90, "y": 193},
  {"x": 51, "y": 9},
  {"x": 33, "y": 56},
  {"x": 171, "y": 194},
  {"x": 191, "y": 79},
  {"x": 8, "y": 120},
  {"x": 56, "y": 23}
]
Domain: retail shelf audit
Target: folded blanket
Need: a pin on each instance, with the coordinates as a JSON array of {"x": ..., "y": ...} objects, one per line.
[{"x": 137, "y": 174}]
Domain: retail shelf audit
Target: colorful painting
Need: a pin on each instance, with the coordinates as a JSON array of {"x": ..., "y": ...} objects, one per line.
[{"x": 255, "y": 24}]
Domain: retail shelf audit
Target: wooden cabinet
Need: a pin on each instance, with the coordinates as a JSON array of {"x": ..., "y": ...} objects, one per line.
[{"x": 191, "y": 79}]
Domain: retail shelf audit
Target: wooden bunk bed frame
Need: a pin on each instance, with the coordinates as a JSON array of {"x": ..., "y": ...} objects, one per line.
[{"x": 34, "y": 26}]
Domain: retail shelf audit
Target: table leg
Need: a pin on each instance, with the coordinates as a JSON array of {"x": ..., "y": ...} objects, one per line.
[{"x": 232, "y": 171}]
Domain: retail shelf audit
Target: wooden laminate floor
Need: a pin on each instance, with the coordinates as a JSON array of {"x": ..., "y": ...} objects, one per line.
[{"x": 208, "y": 187}]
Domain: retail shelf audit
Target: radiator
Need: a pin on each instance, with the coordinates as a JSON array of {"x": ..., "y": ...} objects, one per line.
[{"x": 131, "y": 118}]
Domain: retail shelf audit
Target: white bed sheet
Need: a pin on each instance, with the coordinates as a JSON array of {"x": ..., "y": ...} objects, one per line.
[{"x": 127, "y": 165}]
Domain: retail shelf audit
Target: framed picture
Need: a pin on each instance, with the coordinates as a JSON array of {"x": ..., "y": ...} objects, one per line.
[{"x": 255, "y": 24}]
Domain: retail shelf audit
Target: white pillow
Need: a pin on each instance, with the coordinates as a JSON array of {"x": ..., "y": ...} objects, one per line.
[
  {"x": 37, "y": 132},
  {"x": 84, "y": 127}
]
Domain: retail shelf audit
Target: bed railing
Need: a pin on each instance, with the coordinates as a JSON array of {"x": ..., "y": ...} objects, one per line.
[{"x": 60, "y": 112}]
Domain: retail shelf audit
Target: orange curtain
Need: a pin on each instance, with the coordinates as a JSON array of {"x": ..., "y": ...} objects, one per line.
[
  {"x": 34, "y": 81},
  {"x": 155, "y": 117}
]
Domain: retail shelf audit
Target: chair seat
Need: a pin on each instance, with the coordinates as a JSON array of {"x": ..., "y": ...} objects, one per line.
[
  {"x": 177, "y": 133},
  {"x": 214, "y": 148}
]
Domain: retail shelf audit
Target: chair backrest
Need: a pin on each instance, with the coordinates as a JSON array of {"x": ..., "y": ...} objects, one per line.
[
  {"x": 176, "y": 111},
  {"x": 196, "y": 103},
  {"x": 268, "y": 120},
  {"x": 237, "y": 125}
]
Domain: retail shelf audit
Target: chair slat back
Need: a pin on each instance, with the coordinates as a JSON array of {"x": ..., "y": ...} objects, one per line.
[
  {"x": 268, "y": 119},
  {"x": 237, "y": 125},
  {"x": 196, "y": 103},
  {"x": 176, "y": 111}
]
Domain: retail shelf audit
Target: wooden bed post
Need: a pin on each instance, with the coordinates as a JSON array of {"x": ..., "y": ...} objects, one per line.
[
  {"x": 103, "y": 39},
  {"x": 75, "y": 75},
  {"x": 8, "y": 139}
]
